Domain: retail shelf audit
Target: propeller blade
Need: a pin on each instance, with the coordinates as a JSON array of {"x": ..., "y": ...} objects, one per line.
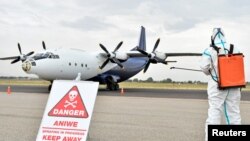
[
  {"x": 30, "y": 53},
  {"x": 9, "y": 58},
  {"x": 156, "y": 44},
  {"x": 16, "y": 60},
  {"x": 44, "y": 47},
  {"x": 146, "y": 67},
  {"x": 142, "y": 52},
  {"x": 19, "y": 48},
  {"x": 103, "y": 47},
  {"x": 118, "y": 46},
  {"x": 118, "y": 62},
  {"x": 104, "y": 64}
]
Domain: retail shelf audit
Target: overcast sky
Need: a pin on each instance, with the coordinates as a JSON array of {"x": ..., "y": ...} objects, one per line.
[{"x": 182, "y": 26}]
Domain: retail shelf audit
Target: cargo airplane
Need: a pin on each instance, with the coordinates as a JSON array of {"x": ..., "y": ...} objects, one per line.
[{"x": 108, "y": 67}]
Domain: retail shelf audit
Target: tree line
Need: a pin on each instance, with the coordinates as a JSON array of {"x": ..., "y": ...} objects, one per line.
[
  {"x": 167, "y": 80},
  {"x": 149, "y": 79}
]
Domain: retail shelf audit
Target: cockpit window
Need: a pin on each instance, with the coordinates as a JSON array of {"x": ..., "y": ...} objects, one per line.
[{"x": 50, "y": 55}]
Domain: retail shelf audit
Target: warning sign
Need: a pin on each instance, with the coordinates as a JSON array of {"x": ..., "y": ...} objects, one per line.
[
  {"x": 68, "y": 111},
  {"x": 71, "y": 105}
]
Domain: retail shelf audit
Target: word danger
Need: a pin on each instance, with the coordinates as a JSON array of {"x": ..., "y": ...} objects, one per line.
[
  {"x": 57, "y": 138},
  {"x": 216, "y": 132},
  {"x": 66, "y": 112}
]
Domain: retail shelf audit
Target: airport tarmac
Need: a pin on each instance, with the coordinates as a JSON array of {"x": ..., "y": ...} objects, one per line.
[
  {"x": 158, "y": 115},
  {"x": 134, "y": 92}
]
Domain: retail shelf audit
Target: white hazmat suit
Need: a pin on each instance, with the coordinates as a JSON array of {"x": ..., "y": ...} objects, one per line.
[{"x": 221, "y": 102}]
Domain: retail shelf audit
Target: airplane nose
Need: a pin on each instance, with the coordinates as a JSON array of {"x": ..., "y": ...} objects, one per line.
[{"x": 26, "y": 66}]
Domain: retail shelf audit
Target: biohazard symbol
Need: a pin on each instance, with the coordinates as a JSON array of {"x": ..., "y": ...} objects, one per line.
[{"x": 71, "y": 105}]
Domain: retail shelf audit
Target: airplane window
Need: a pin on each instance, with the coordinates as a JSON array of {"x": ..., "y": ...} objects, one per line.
[
  {"x": 45, "y": 55},
  {"x": 54, "y": 56},
  {"x": 75, "y": 64},
  {"x": 41, "y": 56},
  {"x": 86, "y": 65},
  {"x": 38, "y": 56},
  {"x": 82, "y": 65},
  {"x": 69, "y": 64}
]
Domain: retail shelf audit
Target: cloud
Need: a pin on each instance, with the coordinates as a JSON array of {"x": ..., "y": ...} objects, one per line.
[
  {"x": 183, "y": 15},
  {"x": 88, "y": 24},
  {"x": 180, "y": 24},
  {"x": 183, "y": 26}
]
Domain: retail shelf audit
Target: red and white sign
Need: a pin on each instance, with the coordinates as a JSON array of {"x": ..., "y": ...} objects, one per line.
[
  {"x": 71, "y": 105},
  {"x": 68, "y": 111}
]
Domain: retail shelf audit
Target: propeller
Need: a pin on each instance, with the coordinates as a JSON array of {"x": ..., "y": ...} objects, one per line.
[
  {"x": 111, "y": 56},
  {"x": 152, "y": 56},
  {"x": 22, "y": 57}
]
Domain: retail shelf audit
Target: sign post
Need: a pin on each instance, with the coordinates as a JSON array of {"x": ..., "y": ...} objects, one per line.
[{"x": 68, "y": 111}]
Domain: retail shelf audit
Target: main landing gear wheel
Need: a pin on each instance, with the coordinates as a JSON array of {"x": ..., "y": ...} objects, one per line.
[
  {"x": 50, "y": 86},
  {"x": 113, "y": 86}
]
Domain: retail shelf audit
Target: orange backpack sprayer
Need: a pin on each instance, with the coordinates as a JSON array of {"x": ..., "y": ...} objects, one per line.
[{"x": 231, "y": 70}]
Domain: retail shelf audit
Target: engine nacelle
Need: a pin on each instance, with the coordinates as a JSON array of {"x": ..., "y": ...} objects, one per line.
[
  {"x": 161, "y": 55},
  {"x": 121, "y": 56}
]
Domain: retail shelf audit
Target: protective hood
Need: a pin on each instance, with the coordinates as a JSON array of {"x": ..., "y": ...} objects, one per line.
[{"x": 218, "y": 40}]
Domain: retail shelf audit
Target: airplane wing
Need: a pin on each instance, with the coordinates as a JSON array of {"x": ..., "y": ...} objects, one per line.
[
  {"x": 126, "y": 55},
  {"x": 158, "y": 57},
  {"x": 183, "y": 54},
  {"x": 138, "y": 54},
  {"x": 154, "y": 56}
]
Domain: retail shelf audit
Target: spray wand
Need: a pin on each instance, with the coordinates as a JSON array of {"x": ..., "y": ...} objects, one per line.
[{"x": 185, "y": 69}]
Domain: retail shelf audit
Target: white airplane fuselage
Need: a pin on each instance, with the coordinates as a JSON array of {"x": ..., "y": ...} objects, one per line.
[
  {"x": 106, "y": 67},
  {"x": 66, "y": 64}
]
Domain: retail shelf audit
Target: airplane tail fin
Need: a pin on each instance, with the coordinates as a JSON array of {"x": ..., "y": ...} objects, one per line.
[{"x": 142, "y": 40}]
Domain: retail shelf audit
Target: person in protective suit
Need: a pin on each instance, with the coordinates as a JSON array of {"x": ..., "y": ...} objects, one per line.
[{"x": 222, "y": 103}]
